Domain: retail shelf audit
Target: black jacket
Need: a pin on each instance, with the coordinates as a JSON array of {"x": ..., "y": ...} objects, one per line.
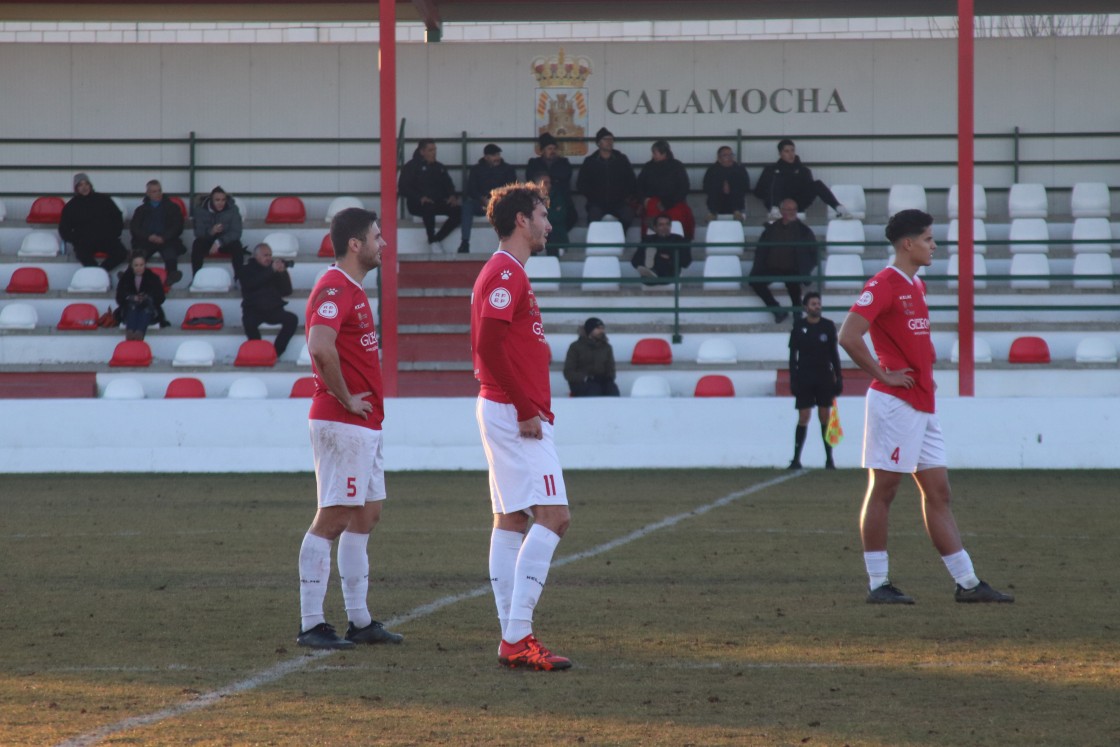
[
  {"x": 559, "y": 171},
  {"x": 781, "y": 180},
  {"x": 150, "y": 285},
  {"x": 738, "y": 182},
  {"x": 94, "y": 217},
  {"x": 666, "y": 180},
  {"x": 589, "y": 358},
  {"x": 483, "y": 178},
  {"x": 172, "y": 221},
  {"x": 607, "y": 181},
  {"x": 262, "y": 288},
  {"x": 422, "y": 179},
  {"x": 774, "y": 238},
  {"x": 663, "y": 261}
]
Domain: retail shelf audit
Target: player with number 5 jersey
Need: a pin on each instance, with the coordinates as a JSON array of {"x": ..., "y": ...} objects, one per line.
[
  {"x": 514, "y": 413},
  {"x": 902, "y": 434}
]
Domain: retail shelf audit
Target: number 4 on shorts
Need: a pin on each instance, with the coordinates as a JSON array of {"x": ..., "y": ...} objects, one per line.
[{"x": 894, "y": 455}]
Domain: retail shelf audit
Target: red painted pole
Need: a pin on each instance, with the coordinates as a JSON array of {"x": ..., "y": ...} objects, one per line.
[
  {"x": 966, "y": 326},
  {"x": 387, "y": 54}
]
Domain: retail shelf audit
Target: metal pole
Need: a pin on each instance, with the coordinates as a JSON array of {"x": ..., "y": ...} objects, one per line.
[
  {"x": 387, "y": 53},
  {"x": 966, "y": 371}
]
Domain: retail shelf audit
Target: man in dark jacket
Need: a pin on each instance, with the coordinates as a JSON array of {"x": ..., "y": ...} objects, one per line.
[
  {"x": 726, "y": 185},
  {"x": 559, "y": 171},
  {"x": 657, "y": 257},
  {"x": 789, "y": 178},
  {"x": 663, "y": 187},
  {"x": 264, "y": 283},
  {"x": 589, "y": 366},
  {"x": 92, "y": 223},
  {"x": 156, "y": 228},
  {"x": 489, "y": 173},
  {"x": 607, "y": 180},
  {"x": 428, "y": 191},
  {"x": 784, "y": 249}
]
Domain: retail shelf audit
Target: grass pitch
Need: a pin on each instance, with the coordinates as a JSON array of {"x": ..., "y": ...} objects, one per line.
[{"x": 162, "y": 610}]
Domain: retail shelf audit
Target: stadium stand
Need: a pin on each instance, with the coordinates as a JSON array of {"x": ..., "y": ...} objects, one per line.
[
  {"x": 186, "y": 387},
  {"x": 303, "y": 387},
  {"x": 131, "y": 354},
  {"x": 1029, "y": 229},
  {"x": 3, "y": 211},
  {"x": 651, "y": 351},
  {"x": 326, "y": 248},
  {"x": 605, "y": 238},
  {"x": 1029, "y": 349},
  {"x": 651, "y": 386},
  {"x": 714, "y": 385},
  {"x": 841, "y": 265},
  {"x": 255, "y": 354},
  {"x": 543, "y": 272},
  {"x": 19, "y": 316},
  {"x": 1091, "y": 229},
  {"x": 197, "y": 353},
  {"x": 339, "y": 204},
  {"x": 727, "y": 232},
  {"x": 123, "y": 389},
  {"x": 1029, "y": 264},
  {"x": 284, "y": 245},
  {"x": 203, "y": 316},
  {"x": 1095, "y": 350},
  {"x": 979, "y": 270},
  {"x": 723, "y": 266},
  {"x": 46, "y": 210},
  {"x": 906, "y": 197},
  {"x": 89, "y": 280},
  {"x": 1090, "y": 200},
  {"x": 286, "y": 210},
  {"x": 304, "y": 358},
  {"x": 248, "y": 387},
  {"x": 1027, "y": 200},
  {"x": 211, "y": 280},
  {"x": 602, "y": 269},
  {"x": 979, "y": 202},
  {"x": 182, "y": 207},
  {"x": 39, "y": 244},
  {"x": 981, "y": 351},
  {"x": 717, "y": 350},
  {"x": 847, "y": 232},
  {"x": 79, "y": 317},
  {"x": 1092, "y": 264},
  {"x": 28, "y": 280},
  {"x": 979, "y": 236},
  {"x": 852, "y": 197}
]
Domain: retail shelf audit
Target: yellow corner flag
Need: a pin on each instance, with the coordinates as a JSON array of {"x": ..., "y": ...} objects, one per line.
[{"x": 834, "y": 434}]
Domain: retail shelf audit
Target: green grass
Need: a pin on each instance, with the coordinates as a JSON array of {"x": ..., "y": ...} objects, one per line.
[{"x": 743, "y": 625}]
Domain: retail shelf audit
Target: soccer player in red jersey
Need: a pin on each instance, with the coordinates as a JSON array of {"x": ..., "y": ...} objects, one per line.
[
  {"x": 515, "y": 421},
  {"x": 902, "y": 433},
  {"x": 345, "y": 422}
]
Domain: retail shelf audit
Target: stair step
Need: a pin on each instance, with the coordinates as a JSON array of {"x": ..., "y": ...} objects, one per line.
[
  {"x": 439, "y": 273},
  {"x": 437, "y": 384},
  {"x": 434, "y": 310},
  {"x": 46, "y": 385},
  {"x": 434, "y": 347}
]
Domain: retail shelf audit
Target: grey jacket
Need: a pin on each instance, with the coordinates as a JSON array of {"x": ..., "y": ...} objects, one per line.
[{"x": 205, "y": 218}]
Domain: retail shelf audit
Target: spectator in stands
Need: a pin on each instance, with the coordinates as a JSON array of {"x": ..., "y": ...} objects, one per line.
[
  {"x": 558, "y": 215},
  {"x": 428, "y": 191},
  {"x": 786, "y": 248},
  {"x": 726, "y": 184},
  {"x": 92, "y": 223},
  {"x": 607, "y": 180},
  {"x": 217, "y": 228},
  {"x": 589, "y": 366},
  {"x": 789, "y": 178},
  {"x": 140, "y": 298},
  {"x": 264, "y": 283},
  {"x": 489, "y": 173},
  {"x": 814, "y": 374},
  {"x": 157, "y": 227},
  {"x": 559, "y": 170},
  {"x": 656, "y": 258},
  {"x": 663, "y": 187}
]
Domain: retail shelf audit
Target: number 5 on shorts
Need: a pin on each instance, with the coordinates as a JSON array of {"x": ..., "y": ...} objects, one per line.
[{"x": 352, "y": 483}]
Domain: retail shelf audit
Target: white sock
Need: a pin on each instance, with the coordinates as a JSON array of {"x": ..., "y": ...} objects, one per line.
[
  {"x": 959, "y": 566},
  {"x": 876, "y": 564},
  {"x": 314, "y": 573},
  {"x": 533, "y": 562},
  {"x": 353, "y": 567},
  {"x": 504, "y": 547}
]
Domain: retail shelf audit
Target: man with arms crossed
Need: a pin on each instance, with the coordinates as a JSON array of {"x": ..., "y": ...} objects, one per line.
[
  {"x": 345, "y": 421},
  {"x": 515, "y": 421},
  {"x": 902, "y": 433}
]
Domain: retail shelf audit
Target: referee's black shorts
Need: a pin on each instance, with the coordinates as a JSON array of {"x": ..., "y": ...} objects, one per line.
[{"x": 818, "y": 392}]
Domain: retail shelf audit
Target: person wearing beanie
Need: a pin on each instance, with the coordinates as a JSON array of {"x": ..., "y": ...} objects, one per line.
[
  {"x": 788, "y": 178},
  {"x": 561, "y": 207},
  {"x": 663, "y": 187},
  {"x": 589, "y": 366},
  {"x": 92, "y": 223},
  {"x": 157, "y": 228},
  {"x": 488, "y": 174},
  {"x": 607, "y": 180}
]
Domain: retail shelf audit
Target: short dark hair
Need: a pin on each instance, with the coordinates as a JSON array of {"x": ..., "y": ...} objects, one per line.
[
  {"x": 723, "y": 148},
  {"x": 662, "y": 147},
  {"x": 907, "y": 223},
  {"x": 809, "y": 297},
  {"x": 784, "y": 142},
  {"x": 351, "y": 223},
  {"x": 659, "y": 216},
  {"x": 423, "y": 143},
  {"x": 511, "y": 200}
]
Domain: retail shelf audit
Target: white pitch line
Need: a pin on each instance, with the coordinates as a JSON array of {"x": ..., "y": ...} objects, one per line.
[{"x": 292, "y": 665}]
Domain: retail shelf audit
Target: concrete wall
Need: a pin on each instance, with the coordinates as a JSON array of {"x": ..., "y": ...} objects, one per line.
[{"x": 271, "y": 435}]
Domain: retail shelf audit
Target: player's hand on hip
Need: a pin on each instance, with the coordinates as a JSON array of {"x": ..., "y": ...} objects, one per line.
[
  {"x": 899, "y": 378},
  {"x": 357, "y": 405},
  {"x": 530, "y": 428}
]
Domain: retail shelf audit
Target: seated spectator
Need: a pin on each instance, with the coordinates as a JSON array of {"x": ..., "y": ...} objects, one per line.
[
  {"x": 139, "y": 299},
  {"x": 589, "y": 366},
  {"x": 726, "y": 185},
  {"x": 607, "y": 180},
  {"x": 663, "y": 188},
  {"x": 558, "y": 215},
  {"x": 657, "y": 258},
  {"x": 156, "y": 228},
  {"x": 789, "y": 178},
  {"x": 784, "y": 249},
  {"x": 217, "y": 228},
  {"x": 428, "y": 191},
  {"x": 559, "y": 170},
  {"x": 92, "y": 223},
  {"x": 489, "y": 173},
  {"x": 264, "y": 283}
]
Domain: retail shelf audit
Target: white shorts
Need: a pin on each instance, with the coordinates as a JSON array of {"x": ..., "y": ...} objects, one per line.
[
  {"x": 348, "y": 466},
  {"x": 898, "y": 438},
  {"x": 524, "y": 472}
]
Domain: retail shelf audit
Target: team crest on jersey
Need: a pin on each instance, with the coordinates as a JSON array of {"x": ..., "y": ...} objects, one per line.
[
  {"x": 506, "y": 274},
  {"x": 327, "y": 310},
  {"x": 500, "y": 298},
  {"x": 865, "y": 299}
]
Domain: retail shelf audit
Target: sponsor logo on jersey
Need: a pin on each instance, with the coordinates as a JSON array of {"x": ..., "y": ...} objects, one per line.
[
  {"x": 369, "y": 340},
  {"x": 538, "y": 330},
  {"x": 865, "y": 299},
  {"x": 327, "y": 310},
  {"x": 500, "y": 298},
  {"x": 918, "y": 325},
  {"x": 362, "y": 305}
]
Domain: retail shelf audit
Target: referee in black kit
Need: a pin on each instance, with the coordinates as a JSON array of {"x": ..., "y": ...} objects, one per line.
[{"x": 814, "y": 373}]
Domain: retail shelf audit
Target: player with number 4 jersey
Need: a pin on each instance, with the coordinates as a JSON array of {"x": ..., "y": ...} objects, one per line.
[{"x": 902, "y": 434}]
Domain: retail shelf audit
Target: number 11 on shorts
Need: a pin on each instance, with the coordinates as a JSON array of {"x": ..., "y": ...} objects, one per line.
[{"x": 550, "y": 485}]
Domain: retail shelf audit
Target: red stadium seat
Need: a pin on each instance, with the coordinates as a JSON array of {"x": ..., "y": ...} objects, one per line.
[
  {"x": 185, "y": 387},
  {"x": 182, "y": 207},
  {"x": 1029, "y": 350},
  {"x": 286, "y": 210},
  {"x": 46, "y": 210},
  {"x": 203, "y": 316},
  {"x": 161, "y": 273},
  {"x": 131, "y": 353},
  {"x": 256, "y": 353},
  {"x": 28, "y": 280},
  {"x": 651, "y": 351},
  {"x": 714, "y": 385},
  {"x": 80, "y": 316},
  {"x": 326, "y": 248},
  {"x": 304, "y": 387}
]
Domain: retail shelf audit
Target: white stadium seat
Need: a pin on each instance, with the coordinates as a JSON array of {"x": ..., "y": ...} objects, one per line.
[
  {"x": 1095, "y": 350},
  {"x": 723, "y": 266},
  {"x": 304, "y": 358},
  {"x": 981, "y": 351},
  {"x": 979, "y": 202},
  {"x": 339, "y": 204},
  {"x": 852, "y": 197},
  {"x": 39, "y": 244},
  {"x": 650, "y": 385},
  {"x": 1029, "y": 229},
  {"x": 1092, "y": 229},
  {"x": 979, "y": 235},
  {"x": 605, "y": 238},
  {"x": 194, "y": 353},
  {"x": 979, "y": 270},
  {"x": 906, "y": 197},
  {"x": 838, "y": 265},
  {"x": 89, "y": 280},
  {"x": 1029, "y": 264},
  {"x": 123, "y": 389},
  {"x": 125, "y": 212},
  {"x": 1027, "y": 201},
  {"x": 717, "y": 350},
  {"x": 846, "y": 231},
  {"x": 542, "y": 270},
  {"x": 211, "y": 280},
  {"x": 248, "y": 387},
  {"x": 601, "y": 268},
  {"x": 19, "y": 316},
  {"x": 724, "y": 232},
  {"x": 1090, "y": 200},
  {"x": 3, "y": 211},
  {"x": 1092, "y": 264},
  {"x": 284, "y": 245}
]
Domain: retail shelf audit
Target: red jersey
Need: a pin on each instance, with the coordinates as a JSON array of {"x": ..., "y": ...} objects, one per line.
[
  {"x": 502, "y": 291},
  {"x": 895, "y": 305},
  {"x": 340, "y": 303}
]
